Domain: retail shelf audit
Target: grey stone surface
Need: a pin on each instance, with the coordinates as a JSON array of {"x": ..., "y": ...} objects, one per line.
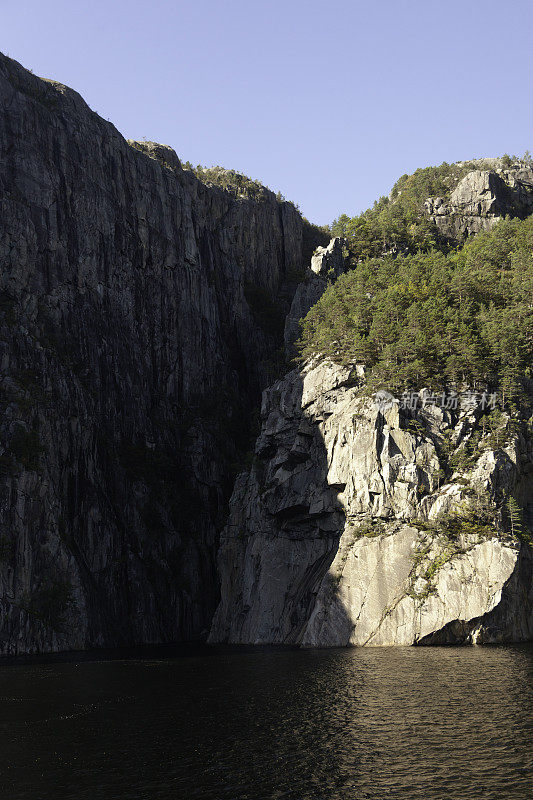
[
  {"x": 333, "y": 536},
  {"x": 327, "y": 264},
  {"x": 131, "y": 362},
  {"x": 160, "y": 152},
  {"x": 482, "y": 198},
  {"x": 329, "y": 261},
  {"x": 132, "y": 358}
]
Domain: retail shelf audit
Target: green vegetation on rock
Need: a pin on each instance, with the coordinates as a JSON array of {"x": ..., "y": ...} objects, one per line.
[
  {"x": 397, "y": 223},
  {"x": 434, "y": 319},
  {"x": 232, "y": 181}
]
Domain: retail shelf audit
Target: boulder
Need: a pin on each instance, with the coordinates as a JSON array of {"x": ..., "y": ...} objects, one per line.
[{"x": 481, "y": 199}]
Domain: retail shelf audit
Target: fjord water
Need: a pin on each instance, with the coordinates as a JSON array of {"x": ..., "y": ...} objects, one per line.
[{"x": 254, "y": 723}]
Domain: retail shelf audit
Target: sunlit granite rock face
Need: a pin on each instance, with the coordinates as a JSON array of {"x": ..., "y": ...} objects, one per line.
[
  {"x": 338, "y": 535},
  {"x": 131, "y": 360},
  {"x": 482, "y": 198}
]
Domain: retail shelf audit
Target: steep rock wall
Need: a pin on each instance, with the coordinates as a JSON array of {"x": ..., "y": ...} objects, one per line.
[{"x": 132, "y": 352}]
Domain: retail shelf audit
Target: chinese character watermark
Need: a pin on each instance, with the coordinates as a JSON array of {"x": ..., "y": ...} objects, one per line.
[{"x": 414, "y": 400}]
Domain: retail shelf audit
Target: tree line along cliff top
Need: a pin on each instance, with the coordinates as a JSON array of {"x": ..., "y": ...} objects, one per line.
[
  {"x": 419, "y": 310},
  {"x": 399, "y": 223}
]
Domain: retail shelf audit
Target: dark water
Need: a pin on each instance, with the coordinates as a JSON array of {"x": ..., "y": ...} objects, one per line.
[{"x": 432, "y": 723}]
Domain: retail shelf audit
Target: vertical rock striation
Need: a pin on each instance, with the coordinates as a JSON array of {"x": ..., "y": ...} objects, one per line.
[{"x": 133, "y": 348}]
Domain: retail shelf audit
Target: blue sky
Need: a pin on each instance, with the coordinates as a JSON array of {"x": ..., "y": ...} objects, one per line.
[{"x": 328, "y": 102}]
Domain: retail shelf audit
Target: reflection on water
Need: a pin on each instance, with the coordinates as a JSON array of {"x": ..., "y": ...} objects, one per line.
[{"x": 271, "y": 723}]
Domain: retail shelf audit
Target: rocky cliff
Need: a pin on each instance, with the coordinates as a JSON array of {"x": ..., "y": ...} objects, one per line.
[
  {"x": 139, "y": 310},
  {"x": 482, "y": 198},
  {"x": 364, "y": 522},
  {"x": 327, "y": 263},
  {"x": 142, "y": 309}
]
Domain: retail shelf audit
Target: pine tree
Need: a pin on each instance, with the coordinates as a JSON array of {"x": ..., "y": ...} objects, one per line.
[{"x": 515, "y": 517}]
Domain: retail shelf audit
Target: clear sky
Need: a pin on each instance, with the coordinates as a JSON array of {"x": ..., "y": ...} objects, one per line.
[{"x": 328, "y": 102}]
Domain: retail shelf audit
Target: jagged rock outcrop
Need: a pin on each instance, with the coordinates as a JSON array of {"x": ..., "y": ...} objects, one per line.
[
  {"x": 133, "y": 352},
  {"x": 329, "y": 261},
  {"x": 350, "y": 527},
  {"x": 160, "y": 152},
  {"x": 327, "y": 264},
  {"x": 482, "y": 198}
]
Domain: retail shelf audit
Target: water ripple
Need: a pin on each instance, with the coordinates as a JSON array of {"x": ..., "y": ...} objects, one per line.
[{"x": 272, "y": 724}]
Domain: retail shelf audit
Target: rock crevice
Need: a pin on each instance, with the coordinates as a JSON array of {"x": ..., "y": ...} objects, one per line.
[{"x": 138, "y": 314}]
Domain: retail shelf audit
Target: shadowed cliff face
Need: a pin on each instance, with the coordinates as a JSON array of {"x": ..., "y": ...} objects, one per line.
[
  {"x": 132, "y": 353},
  {"x": 285, "y": 523}
]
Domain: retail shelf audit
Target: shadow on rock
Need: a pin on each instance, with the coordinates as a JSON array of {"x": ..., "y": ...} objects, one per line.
[{"x": 285, "y": 522}]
